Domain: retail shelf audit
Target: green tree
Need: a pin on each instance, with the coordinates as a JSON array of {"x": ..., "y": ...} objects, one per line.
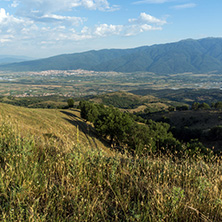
[
  {"x": 140, "y": 139},
  {"x": 183, "y": 107},
  {"x": 218, "y": 105},
  {"x": 171, "y": 108},
  {"x": 70, "y": 102},
  {"x": 122, "y": 129},
  {"x": 114, "y": 124},
  {"x": 195, "y": 106},
  {"x": 204, "y": 106},
  {"x": 215, "y": 133}
]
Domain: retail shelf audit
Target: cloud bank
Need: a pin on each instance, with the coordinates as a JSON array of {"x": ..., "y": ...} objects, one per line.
[{"x": 42, "y": 23}]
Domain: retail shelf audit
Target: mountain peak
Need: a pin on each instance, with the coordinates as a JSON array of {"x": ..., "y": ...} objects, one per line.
[{"x": 189, "y": 55}]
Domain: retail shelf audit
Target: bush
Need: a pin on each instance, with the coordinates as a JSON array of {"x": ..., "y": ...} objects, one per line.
[
  {"x": 215, "y": 133},
  {"x": 181, "y": 108},
  {"x": 70, "y": 102}
]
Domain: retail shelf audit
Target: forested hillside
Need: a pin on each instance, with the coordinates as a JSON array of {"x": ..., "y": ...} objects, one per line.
[{"x": 197, "y": 56}]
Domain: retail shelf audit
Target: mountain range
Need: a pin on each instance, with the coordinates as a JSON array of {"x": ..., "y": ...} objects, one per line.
[
  {"x": 197, "y": 56},
  {"x": 7, "y": 59}
]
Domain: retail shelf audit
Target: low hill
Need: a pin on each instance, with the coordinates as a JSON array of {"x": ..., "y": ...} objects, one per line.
[
  {"x": 197, "y": 56},
  {"x": 187, "y": 96},
  {"x": 134, "y": 102},
  {"x": 64, "y": 127}
]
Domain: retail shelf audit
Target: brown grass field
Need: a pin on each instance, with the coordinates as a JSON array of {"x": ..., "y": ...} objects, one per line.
[
  {"x": 62, "y": 125},
  {"x": 53, "y": 168}
]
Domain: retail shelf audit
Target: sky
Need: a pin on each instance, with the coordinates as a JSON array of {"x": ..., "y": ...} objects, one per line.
[{"x": 43, "y": 28}]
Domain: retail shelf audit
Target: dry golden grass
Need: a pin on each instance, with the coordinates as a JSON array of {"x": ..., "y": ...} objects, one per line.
[
  {"x": 53, "y": 180},
  {"x": 62, "y": 125}
]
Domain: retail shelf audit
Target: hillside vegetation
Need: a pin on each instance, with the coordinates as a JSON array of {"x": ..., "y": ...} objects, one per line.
[
  {"x": 46, "y": 180},
  {"x": 62, "y": 126},
  {"x": 133, "y": 102},
  {"x": 197, "y": 56}
]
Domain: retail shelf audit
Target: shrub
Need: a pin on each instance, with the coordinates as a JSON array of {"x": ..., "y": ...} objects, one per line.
[{"x": 215, "y": 133}]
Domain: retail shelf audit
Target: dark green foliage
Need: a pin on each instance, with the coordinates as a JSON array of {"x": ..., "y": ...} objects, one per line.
[
  {"x": 187, "y": 96},
  {"x": 171, "y": 108},
  {"x": 121, "y": 101},
  {"x": 195, "y": 106},
  {"x": 218, "y": 105},
  {"x": 140, "y": 140},
  {"x": 164, "y": 119},
  {"x": 197, "y": 148},
  {"x": 200, "y": 106},
  {"x": 162, "y": 137},
  {"x": 114, "y": 124},
  {"x": 121, "y": 129},
  {"x": 70, "y": 102},
  {"x": 186, "y": 134},
  {"x": 90, "y": 111},
  {"x": 215, "y": 133},
  {"x": 195, "y": 56},
  {"x": 204, "y": 106},
  {"x": 183, "y": 107}
]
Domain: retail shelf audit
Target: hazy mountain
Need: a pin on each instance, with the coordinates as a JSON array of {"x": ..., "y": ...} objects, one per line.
[
  {"x": 6, "y": 59},
  {"x": 204, "y": 55}
]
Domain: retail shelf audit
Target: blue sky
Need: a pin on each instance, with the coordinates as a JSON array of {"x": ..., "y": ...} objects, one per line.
[{"x": 42, "y": 28}]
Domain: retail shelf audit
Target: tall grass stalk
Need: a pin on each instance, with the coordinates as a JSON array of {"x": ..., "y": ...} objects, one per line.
[{"x": 45, "y": 180}]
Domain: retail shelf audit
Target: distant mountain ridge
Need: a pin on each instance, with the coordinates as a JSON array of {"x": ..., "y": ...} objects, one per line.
[
  {"x": 197, "y": 56},
  {"x": 5, "y": 59}
]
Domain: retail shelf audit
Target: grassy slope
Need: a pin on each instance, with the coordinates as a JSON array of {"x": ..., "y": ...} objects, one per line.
[
  {"x": 45, "y": 182},
  {"x": 61, "y": 125}
]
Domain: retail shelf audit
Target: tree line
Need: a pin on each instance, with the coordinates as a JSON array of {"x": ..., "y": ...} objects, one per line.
[
  {"x": 197, "y": 106},
  {"x": 121, "y": 129}
]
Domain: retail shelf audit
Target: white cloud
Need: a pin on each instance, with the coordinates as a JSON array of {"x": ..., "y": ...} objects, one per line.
[
  {"x": 143, "y": 23},
  {"x": 147, "y": 19},
  {"x": 12, "y": 28},
  {"x": 14, "y": 4},
  {"x": 26, "y": 7},
  {"x": 46, "y": 29},
  {"x": 152, "y": 1},
  {"x": 6, "y": 38},
  {"x": 2, "y": 14},
  {"x": 25, "y": 30},
  {"x": 9, "y": 22},
  {"x": 50, "y": 11},
  {"x": 145, "y": 27},
  {"x": 106, "y": 30},
  {"x": 65, "y": 20},
  {"x": 184, "y": 6},
  {"x": 136, "y": 29}
]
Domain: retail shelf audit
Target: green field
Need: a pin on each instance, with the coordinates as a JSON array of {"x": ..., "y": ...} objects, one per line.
[{"x": 79, "y": 83}]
